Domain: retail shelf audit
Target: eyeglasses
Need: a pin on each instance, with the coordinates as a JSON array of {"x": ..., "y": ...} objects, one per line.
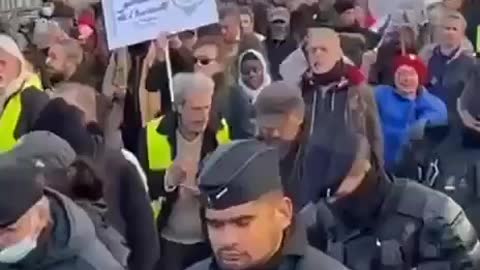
[{"x": 203, "y": 61}]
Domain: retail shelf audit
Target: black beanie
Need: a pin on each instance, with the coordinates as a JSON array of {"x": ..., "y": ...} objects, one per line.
[
  {"x": 66, "y": 122},
  {"x": 344, "y": 5}
]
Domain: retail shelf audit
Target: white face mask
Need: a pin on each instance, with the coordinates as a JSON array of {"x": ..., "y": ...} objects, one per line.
[
  {"x": 18, "y": 251},
  {"x": 47, "y": 11}
]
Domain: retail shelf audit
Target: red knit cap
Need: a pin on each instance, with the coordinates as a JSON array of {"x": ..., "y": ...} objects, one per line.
[
  {"x": 415, "y": 62},
  {"x": 87, "y": 17}
]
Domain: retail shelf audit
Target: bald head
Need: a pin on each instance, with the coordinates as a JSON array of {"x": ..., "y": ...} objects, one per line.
[
  {"x": 81, "y": 96},
  {"x": 323, "y": 49}
]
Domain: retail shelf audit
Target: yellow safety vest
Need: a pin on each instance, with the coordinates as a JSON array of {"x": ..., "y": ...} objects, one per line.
[
  {"x": 478, "y": 40},
  {"x": 158, "y": 147},
  {"x": 11, "y": 115},
  {"x": 160, "y": 153}
]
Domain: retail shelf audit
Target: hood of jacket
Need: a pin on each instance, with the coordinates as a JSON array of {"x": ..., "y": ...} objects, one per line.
[
  {"x": 71, "y": 237},
  {"x": 16, "y": 84},
  {"x": 267, "y": 80},
  {"x": 82, "y": 239}
]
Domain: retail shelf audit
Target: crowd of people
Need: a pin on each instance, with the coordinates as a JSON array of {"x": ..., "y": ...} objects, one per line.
[{"x": 292, "y": 134}]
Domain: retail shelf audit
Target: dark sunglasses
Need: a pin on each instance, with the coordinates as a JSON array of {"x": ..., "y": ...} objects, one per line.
[{"x": 203, "y": 61}]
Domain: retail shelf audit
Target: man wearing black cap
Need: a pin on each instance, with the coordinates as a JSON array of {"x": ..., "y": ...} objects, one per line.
[
  {"x": 249, "y": 220},
  {"x": 367, "y": 220},
  {"x": 448, "y": 157},
  {"x": 42, "y": 229},
  {"x": 279, "y": 111},
  {"x": 279, "y": 43}
]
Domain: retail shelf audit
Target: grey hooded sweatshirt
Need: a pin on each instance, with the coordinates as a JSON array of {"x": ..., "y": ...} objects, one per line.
[{"x": 69, "y": 244}]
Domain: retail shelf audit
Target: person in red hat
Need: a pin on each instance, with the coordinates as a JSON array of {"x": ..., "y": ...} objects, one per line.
[
  {"x": 407, "y": 107},
  {"x": 86, "y": 30}
]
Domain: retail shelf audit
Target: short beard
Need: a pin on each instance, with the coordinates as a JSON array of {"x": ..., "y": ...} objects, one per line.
[{"x": 57, "y": 77}]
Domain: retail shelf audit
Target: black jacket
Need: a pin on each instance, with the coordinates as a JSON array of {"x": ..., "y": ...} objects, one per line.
[
  {"x": 129, "y": 209},
  {"x": 447, "y": 161},
  {"x": 69, "y": 243},
  {"x": 33, "y": 102},
  {"x": 128, "y": 205},
  {"x": 156, "y": 179},
  {"x": 414, "y": 227},
  {"x": 277, "y": 51},
  {"x": 296, "y": 254}
]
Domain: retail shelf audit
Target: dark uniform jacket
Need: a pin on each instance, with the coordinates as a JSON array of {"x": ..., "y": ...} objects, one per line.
[
  {"x": 296, "y": 254},
  {"x": 416, "y": 228},
  {"x": 446, "y": 161},
  {"x": 70, "y": 244}
]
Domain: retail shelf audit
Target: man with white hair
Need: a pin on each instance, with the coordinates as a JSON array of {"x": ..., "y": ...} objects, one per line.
[
  {"x": 42, "y": 229},
  {"x": 171, "y": 148},
  {"x": 335, "y": 90},
  {"x": 20, "y": 97}
]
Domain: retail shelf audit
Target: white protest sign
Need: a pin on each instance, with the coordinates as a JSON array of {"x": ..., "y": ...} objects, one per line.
[
  {"x": 129, "y": 22},
  {"x": 381, "y": 8}
]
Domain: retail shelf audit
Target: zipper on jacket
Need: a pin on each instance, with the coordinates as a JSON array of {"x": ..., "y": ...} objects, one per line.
[{"x": 314, "y": 109}]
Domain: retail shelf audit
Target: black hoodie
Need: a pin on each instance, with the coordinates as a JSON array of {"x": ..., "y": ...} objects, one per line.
[{"x": 128, "y": 205}]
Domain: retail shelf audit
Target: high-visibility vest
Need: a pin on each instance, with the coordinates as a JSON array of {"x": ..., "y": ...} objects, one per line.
[
  {"x": 160, "y": 153},
  {"x": 478, "y": 40},
  {"x": 11, "y": 114},
  {"x": 158, "y": 148}
]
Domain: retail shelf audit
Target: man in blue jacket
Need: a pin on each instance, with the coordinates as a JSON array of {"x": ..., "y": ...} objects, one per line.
[{"x": 406, "y": 108}]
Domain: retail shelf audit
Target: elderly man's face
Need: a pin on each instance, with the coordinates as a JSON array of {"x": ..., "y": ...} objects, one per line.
[
  {"x": 323, "y": 53},
  {"x": 206, "y": 60},
  {"x": 248, "y": 235},
  {"x": 452, "y": 33},
  {"x": 195, "y": 111},
  {"x": 10, "y": 68}
]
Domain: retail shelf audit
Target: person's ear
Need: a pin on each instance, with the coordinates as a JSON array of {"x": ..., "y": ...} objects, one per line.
[{"x": 284, "y": 212}]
